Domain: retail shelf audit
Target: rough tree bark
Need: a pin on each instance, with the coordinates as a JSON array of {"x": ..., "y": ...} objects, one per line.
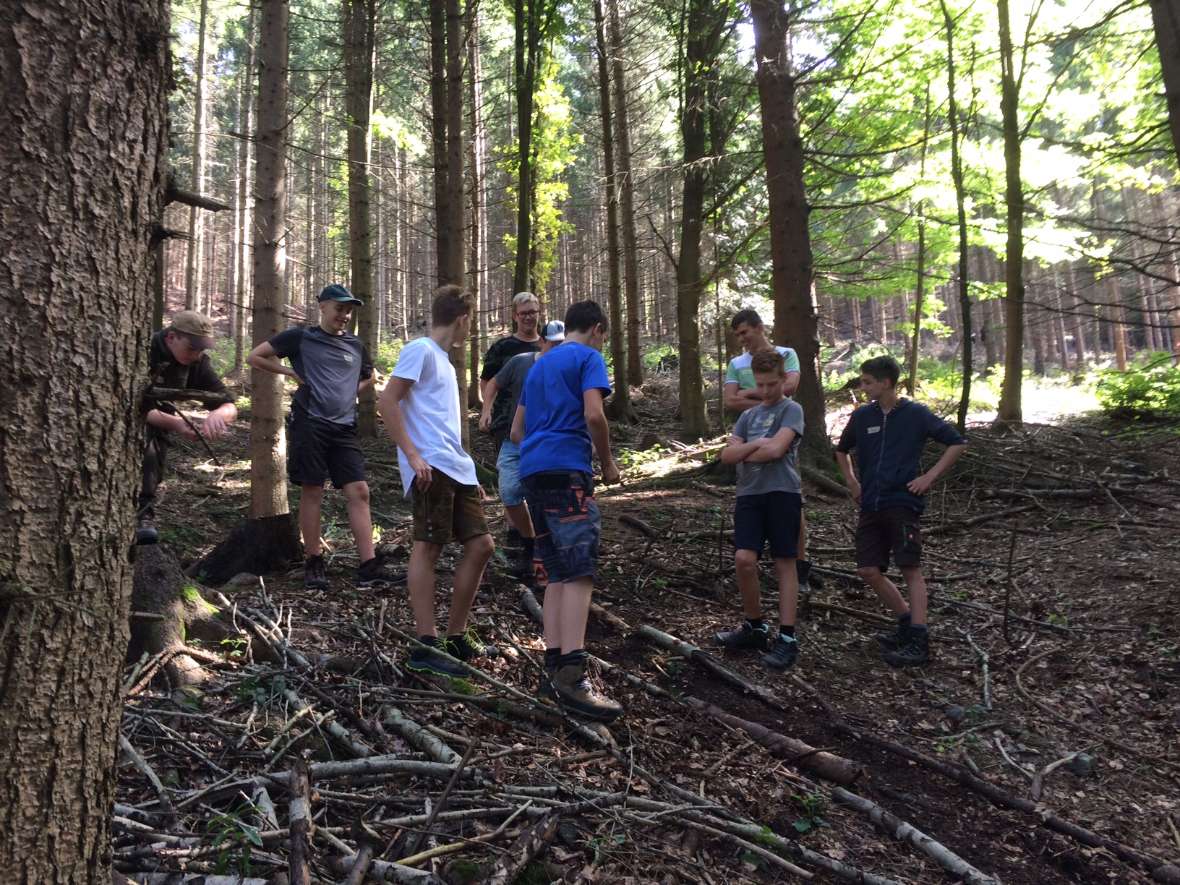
[
  {"x": 193, "y": 268},
  {"x": 1009, "y": 410},
  {"x": 626, "y": 191},
  {"x": 360, "y": 21},
  {"x": 619, "y": 408},
  {"x": 1165, "y": 17},
  {"x": 792, "y": 275},
  {"x": 476, "y": 272},
  {"x": 84, "y": 167}
]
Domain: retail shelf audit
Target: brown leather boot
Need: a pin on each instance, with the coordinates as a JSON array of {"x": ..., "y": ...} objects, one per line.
[{"x": 577, "y": 695}]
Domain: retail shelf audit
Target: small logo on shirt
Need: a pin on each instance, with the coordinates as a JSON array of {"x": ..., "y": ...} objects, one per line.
[
  {"x": 347, "y": 357},
  {"x": 876, "y": 429}
]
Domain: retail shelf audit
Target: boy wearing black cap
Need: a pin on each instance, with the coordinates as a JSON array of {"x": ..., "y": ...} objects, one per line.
[
  {"x": 332, "y": 367},
  {"x": 177, "y": 360}
]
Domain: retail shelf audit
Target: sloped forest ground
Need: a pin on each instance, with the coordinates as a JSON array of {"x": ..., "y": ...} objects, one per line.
[{"x": 1056, "y": 635}]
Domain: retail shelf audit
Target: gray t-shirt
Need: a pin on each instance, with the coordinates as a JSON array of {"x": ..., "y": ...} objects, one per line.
[
  {"x": 510, "y": 380},
  {"x": 331, "y": 367},
  {"x": 770, "y": 476}
]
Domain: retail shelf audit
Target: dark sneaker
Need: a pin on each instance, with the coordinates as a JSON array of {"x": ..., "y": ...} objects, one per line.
[
  {"x": 913, "y": 652},
  {"x": 429, "y": 660},
  {"x": 373, "y": 572},
  {"x": 744, "y": 636},
  {"x": 145, "y": 532},
  {"x": 894, "y": 639},
  {"x": 575, "y": 693},
  {"x": 315, "y": 577},
  {"x": 467, "y": 646},
  {"x": 783, "y": 653}
]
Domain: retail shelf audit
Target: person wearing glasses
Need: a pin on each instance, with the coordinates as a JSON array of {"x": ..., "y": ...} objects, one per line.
[{"x": 178, "y": 359}]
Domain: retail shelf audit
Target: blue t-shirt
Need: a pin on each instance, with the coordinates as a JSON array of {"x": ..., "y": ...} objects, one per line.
[{"x": 555, "y": 434}]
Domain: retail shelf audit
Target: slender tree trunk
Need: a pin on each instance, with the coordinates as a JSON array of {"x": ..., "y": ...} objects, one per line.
[
  {"x": 795, "y": 321},
  {"x": 242, "y": 240},
  {"x": 525, "y": 61},
  {"x": 359, "y": 48},
  {"x": 1010, "y": 411},
  {"x": 620, "y": 404},
  {"x": 268, "y": 475},
  {"x": 72, "y": 427},
  {"x": 626, "y": 190},
  {"x": 1165, "y": 17},
  {"x": 477, "y": 259},
  {"x": 196, "y": 223}
]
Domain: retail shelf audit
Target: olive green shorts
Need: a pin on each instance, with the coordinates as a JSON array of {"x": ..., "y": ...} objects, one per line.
[{"x": 447, "y": 511}]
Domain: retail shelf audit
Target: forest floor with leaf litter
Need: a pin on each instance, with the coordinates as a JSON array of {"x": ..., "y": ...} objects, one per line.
[{"x": 1051, "y": 556}]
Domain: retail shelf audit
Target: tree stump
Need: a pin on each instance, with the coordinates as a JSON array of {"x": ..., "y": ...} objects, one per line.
[
  {"x": 176, "y": 610},
  {"x": 258, "y": 546}
]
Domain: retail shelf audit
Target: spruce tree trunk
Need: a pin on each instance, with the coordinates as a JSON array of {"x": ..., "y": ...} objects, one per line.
[
  {"x": 1165, "y": 17},
  {"x": 85, "y": 111},
  {"x": 795, "y": 321},
  {"x": 359, "y": 47},
  {"x": 526, "y": 46},
  {"x": 196, "y": 223},
  {"x": 268, "y": 475},
  {"x": 626, "y": 189},
  {"x": 1010, "y": 411},
  {"x": 620, "y": 404},
  {"x": 476, "y": 272},
  {"x": 454, "y": 222}
]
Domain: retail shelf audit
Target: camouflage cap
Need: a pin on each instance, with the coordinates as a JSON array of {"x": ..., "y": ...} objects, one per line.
[{"x": 196, "y": 325}]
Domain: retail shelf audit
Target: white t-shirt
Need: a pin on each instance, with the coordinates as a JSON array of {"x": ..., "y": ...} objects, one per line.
[{"x": 430, "y": 412}]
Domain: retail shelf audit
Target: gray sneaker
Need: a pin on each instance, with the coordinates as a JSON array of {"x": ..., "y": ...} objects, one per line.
[{"x": 744, "y": 636}]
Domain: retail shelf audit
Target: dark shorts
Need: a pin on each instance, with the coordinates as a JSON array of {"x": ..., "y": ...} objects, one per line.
[
  {"x": 567, "y": 522},
  {"x": 773, "y": 517},
  {"x": 447, "y": 511},
  {"x": 318, "y": 450},
  {"x": 881, "y": 533}
]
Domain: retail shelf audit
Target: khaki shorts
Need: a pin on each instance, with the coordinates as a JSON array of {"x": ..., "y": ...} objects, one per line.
[{"x": 447, "y": 511}]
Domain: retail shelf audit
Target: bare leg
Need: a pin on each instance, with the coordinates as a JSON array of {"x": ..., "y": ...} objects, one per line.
[
  {"x": 311, "y": 499},
  {"x": 575, "y": 609},
  {"x": 420, "y": 581},
  {"x": 745, "y": 564},
  {"x": 356, "y": 498},
  {"x": 553, "y": 610},
  {"x": 518, "y": 518},
  {"x": 788, "y": 591},
  {"x": 885, "y": 589},
  {"x": 916, "y": 584},
  {"x": 476, "y": 553}
]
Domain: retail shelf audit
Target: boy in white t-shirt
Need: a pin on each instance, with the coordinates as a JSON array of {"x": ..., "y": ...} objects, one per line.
[{"x": 420, "y": 407}]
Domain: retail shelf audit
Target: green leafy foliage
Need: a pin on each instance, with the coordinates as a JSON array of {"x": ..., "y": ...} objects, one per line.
[{"x": 1149, "y": 392}]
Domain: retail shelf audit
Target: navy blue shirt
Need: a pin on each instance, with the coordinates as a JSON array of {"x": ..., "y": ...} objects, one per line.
[
  {"x": 889, "y": 450},
  {"x": 555, "y": 434}
]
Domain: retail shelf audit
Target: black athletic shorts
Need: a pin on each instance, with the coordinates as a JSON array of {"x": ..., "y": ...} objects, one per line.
[
  {"x": 771, "y": 516},
  {"x": 891, "y": 531},
  {"x": 318, "y": 449}
]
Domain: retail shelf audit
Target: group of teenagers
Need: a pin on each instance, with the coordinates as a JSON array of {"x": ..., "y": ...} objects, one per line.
[{"x": 543, "y": 390}]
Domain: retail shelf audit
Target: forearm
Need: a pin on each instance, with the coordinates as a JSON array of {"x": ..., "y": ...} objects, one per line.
[
  {"x": 736, "y": 452},
  {"x": 600, "y": 436},
  {"x": 160, "y": 420},
  {"x": 845, "y": 464},
  {"x": 269, "y": 364},
  {"x": 949, "y": 457}
]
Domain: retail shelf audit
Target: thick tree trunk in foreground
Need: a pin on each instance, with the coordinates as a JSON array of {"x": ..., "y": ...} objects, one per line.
[
  {"x": 620, "y": 404},
  {"x": 1010, "y": 411},
  {"x": 1165, "y": 17},
  {"x": 268, "y": 459},
  {"x": 85, "y": 110},
  {"x": 795, "y": 321},
  {"x": 626, "y": 190},
  {"x": 359, "y": 46}
]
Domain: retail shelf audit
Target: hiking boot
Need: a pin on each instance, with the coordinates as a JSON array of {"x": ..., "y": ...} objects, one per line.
[
  {"x": 575, "y": 693},
  {"x": 783, "y": 653},
  {"x": 894, "y": 639},
  {"x": 145, "y": 532},
  {"x": 372, "y": 573},
  {"x": 431, "y": 661},
  {"x": 744, "y": 636},
  {"x": 467, "y": 646},
  {"x": 913, "y": 652},
  {"x": 315, "y": 576},
  {"x": 545, "y": 689}
]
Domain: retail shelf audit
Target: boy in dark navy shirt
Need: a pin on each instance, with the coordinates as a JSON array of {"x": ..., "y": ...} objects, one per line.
[{"x": 889, "y": 434}]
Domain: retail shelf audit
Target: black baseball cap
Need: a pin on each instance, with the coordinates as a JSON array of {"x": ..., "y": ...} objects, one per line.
[{"x": 336, "y": 292}]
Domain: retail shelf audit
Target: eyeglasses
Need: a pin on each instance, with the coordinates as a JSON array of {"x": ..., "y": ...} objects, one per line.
[{"x": 527, "y": 313}]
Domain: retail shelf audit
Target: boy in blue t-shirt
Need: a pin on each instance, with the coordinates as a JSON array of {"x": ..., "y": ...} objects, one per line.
[
  {"x": 765, "y": 447},
  {"x": 889, "y": 434},
  {"x": 557, "y": 421}
]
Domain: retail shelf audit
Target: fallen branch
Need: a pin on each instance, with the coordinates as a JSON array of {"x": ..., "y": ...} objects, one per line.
[
  {"x": 905, "y": 832},
  {"x": 708, "y": 662},
  {"x": 299, "y": 822},
  {"x": 520, "y": 855},
  {"x": 418, "y": 737},
  {"x": 148, "y": 772}
]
